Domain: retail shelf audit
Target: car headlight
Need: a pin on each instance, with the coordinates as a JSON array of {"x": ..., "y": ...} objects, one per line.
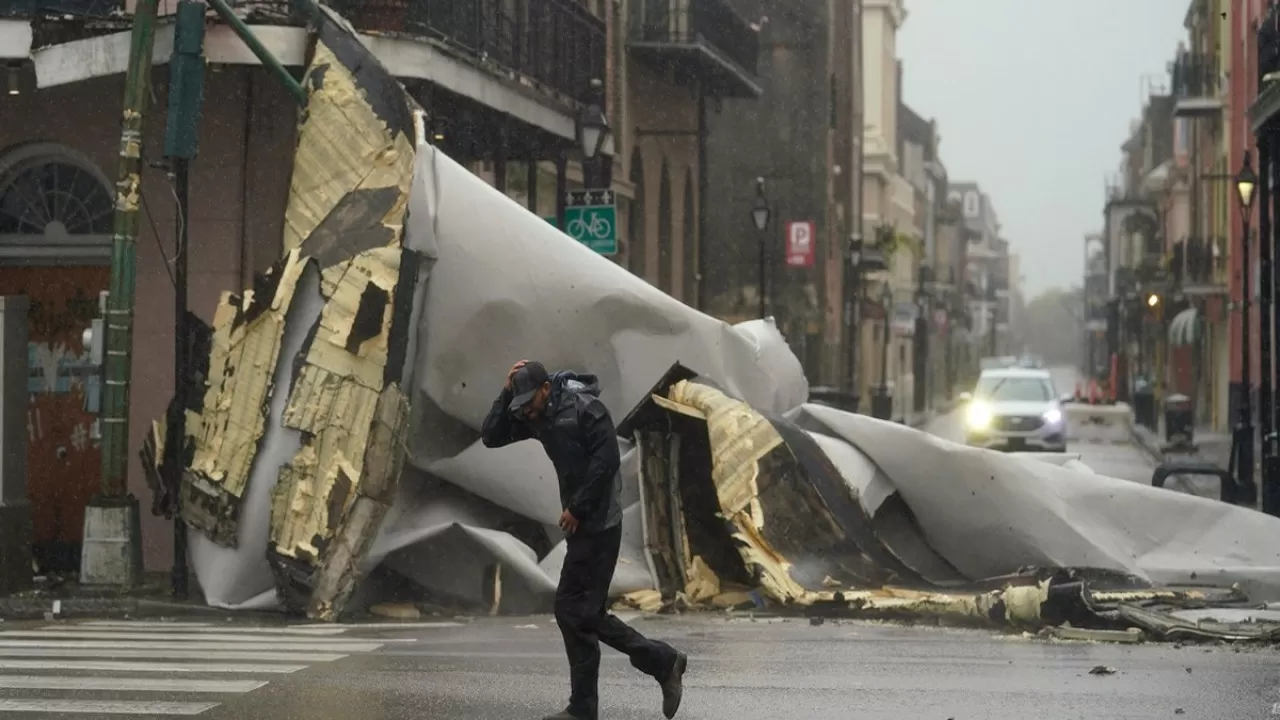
[
  {"x": 1053, "y": 416},
  {"x": 978, "y": 416}
]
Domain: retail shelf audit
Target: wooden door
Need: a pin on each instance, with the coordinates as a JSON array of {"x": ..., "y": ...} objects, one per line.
[{"x": 63, "y": 463}]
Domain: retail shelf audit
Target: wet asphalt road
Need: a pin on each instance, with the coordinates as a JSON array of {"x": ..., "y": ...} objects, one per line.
[
  {"x": 505, "y": 669},
  {"x": 749, "y": 670}
]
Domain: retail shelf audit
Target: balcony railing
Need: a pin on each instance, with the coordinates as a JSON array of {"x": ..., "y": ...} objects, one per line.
[
  {"x": 32, "y": 9},
  {"x": 1197, "y": 84},
  {"x": 556, "y": 43},
  {"x": 1199, "y": 263},
  {"x": 706, "y": 24}
]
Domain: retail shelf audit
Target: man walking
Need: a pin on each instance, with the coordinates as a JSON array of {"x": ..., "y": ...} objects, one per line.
[{"x": 563, "y": 411}]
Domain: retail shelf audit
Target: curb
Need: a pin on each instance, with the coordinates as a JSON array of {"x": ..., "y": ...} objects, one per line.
[
  {"x": 42, "y": 608},
  {"x": 1147, "y": 442},
  {"x": 931, "y": 415}
]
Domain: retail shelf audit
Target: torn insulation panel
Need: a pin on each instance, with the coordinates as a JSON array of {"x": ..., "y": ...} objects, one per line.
[
  {"x": 345, "y": 414},
  {"x": 344, "y": 401},
  {"x": 244, "y": 352},
  {"x": 757, "y": 502}
]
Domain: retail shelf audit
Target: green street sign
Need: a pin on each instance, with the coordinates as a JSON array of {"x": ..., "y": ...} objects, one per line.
[{"x": 591, "y": 218}]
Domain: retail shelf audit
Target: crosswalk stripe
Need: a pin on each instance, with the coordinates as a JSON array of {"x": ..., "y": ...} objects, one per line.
[
  {"x": 101, "y": 660},
  {"x": 116, "y": 651},
  {"x": 127, "y": 684},
  {"x": 131, "y": 666},
  {"x": 195, "y": 637},
  {"x": 393, "y": 625},
  {"x": 169, "y": 644},
  {"x": 105, "y": 707},
  {"x": 141, "y": 623},
  {"x": 310, "y": 631},
  {"x": 327, "y": 629}
]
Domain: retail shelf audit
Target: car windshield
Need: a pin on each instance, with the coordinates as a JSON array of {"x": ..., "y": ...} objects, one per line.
[{"x": 1013, "y": 389}]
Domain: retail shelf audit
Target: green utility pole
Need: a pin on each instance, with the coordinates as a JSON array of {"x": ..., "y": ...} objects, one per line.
[
  {"x": 124, "y": 241},
  {"x": 181, "y": 143},
  {"x": 112, "y": 549}
]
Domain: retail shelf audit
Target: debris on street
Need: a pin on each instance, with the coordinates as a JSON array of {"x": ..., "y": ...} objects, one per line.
[{"x": 335, "y": 459}]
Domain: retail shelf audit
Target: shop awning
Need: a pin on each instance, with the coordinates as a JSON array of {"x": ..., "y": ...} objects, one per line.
[{"x": 1185, "y": 328}]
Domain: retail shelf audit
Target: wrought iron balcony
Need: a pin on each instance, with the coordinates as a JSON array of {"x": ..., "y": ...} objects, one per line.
[
  {"x": 1197, "y": 85},
  {"x": 705, "y": 39},
  {"x": 556, "y": 43},
  {"x": 1267, "y": 106},
  {"x": 32, "y": 9},
  {"x": 1198, "y": 266}
]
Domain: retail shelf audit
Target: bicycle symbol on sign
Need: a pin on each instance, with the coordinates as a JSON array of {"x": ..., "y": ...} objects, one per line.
[{"x": 596, "y": 227}]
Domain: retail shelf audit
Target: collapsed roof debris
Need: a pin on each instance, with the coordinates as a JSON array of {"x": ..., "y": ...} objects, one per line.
[
  {"x": 338, "y": 431},
  {"x": 347, "y": 279}
]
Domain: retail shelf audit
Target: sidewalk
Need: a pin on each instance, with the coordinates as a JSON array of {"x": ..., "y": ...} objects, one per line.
[
  {"x": 1211, "y": 447},
  {"x": 58, "y": 598},
  {"x": 940, "y": 407}
]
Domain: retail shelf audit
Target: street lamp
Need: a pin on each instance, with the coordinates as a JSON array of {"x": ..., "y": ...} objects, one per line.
[
  {"x": 595, "y": 131},
  {"x": 760, "y": 218},
  {"x": 1246, "y": 182},
  {"x": 922, "y": 396},
  {"x": 886, "y": 304},
  {"x": 593, "y": 126},
  {"x": 853, "y": 320}
]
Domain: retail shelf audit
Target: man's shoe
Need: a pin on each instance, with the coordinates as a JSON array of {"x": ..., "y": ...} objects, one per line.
[{"x": 673, "y": 686}]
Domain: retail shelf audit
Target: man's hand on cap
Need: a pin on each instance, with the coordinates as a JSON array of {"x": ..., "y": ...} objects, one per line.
[{"x": 514, "y": 368}]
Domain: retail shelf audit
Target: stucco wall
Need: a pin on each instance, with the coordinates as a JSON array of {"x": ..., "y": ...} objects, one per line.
[{"x": 655, "y": 103}]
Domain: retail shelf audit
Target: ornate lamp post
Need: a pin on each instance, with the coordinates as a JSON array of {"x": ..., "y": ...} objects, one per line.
[
  {"x": 1246, "y": 182},
  {"x": 760, "y": 213}
]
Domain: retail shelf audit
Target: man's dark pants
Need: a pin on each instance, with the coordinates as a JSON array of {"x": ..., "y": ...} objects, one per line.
[{"x": 582, "y": 614}]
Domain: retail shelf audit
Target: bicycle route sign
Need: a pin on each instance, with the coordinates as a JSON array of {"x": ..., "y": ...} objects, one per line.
[{"x": 591, "y": 218}]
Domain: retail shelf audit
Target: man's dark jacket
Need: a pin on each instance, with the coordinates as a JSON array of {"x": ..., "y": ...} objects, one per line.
[{"x": 579, "y": 437}]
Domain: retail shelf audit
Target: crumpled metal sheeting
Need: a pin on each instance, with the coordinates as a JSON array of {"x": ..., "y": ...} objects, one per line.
[
  {"x": 483, "y": 311},
  {"x": 329, "y": 506},
  {"x": 1230, "y": 624},
  {"x": 341, "y": 432},
  {"x": 243, "y": 358},
  {"x": 1016, "y": 606},
  {"x": 796, "y": 534},
  {"x": 989, "y": 514}
]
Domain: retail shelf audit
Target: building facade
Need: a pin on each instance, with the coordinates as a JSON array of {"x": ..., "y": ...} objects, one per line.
[
  {"x": 986, "y": 270},
  {"x": 796, "y": 143},
  {"x": 1169, "y": 223}
]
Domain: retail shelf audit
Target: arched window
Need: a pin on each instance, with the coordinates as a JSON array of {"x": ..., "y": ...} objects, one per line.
[
  {"x": 664, "y": 229},
  {"x": 56, "y": 208},
  {"x": 690, "y": 242},
  {"x": 635, "y": 221}
]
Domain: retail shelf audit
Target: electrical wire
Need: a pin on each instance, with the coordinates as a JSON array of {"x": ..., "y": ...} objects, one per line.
[{"x": 155, "y": 232}]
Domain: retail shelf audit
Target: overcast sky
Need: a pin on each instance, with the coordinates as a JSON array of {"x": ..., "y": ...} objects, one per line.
[{"x": 1032, "y": 99}]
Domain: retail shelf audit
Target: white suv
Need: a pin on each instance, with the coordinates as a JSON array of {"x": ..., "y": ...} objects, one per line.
[{"x": 1014, "y": 409}]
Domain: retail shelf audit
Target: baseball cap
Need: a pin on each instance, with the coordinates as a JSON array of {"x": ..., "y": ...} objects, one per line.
[{"x": 525, "y": 383}]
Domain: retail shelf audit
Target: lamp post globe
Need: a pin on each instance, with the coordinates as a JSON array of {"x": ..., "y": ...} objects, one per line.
[
  {"x": 760, "y": 209},
  {"x": 593, "y": 130},
  {"x": 1246, "y": 183}
]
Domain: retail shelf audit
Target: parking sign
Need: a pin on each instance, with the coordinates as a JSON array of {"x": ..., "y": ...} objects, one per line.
[{"x": 800, "y": 250}]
